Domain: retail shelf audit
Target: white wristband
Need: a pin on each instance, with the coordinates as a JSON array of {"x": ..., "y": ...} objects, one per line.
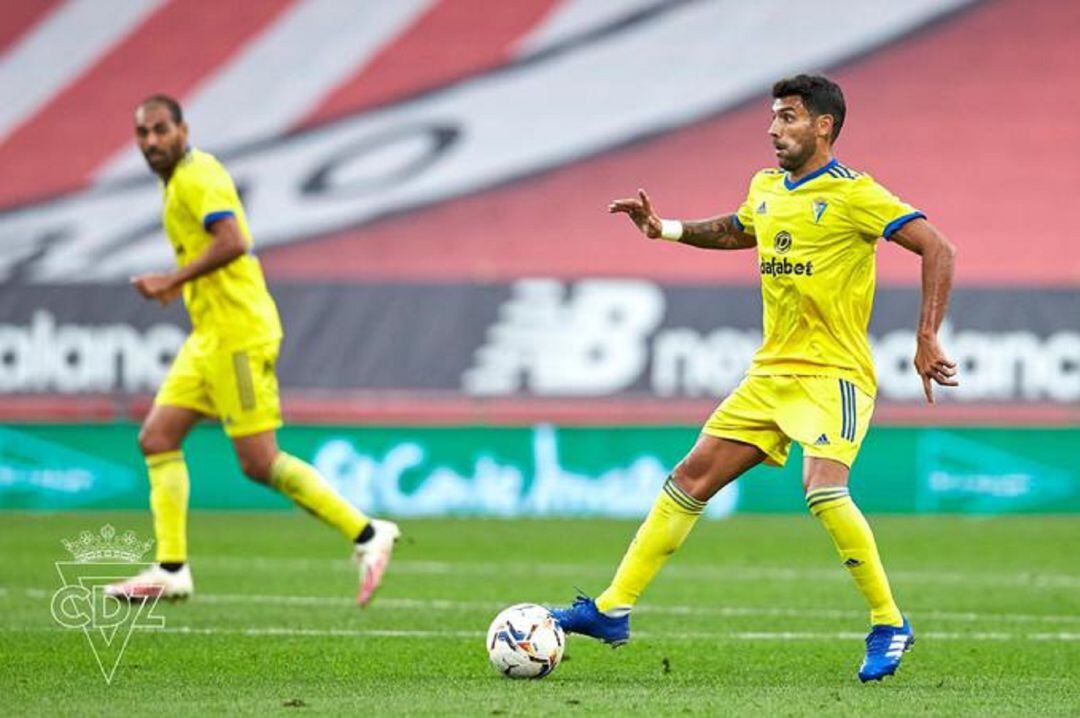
[{"x": 671, "y": 230}]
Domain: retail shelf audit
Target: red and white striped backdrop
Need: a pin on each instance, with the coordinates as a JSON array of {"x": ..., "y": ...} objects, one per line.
[{"x": 558, "y": 105}]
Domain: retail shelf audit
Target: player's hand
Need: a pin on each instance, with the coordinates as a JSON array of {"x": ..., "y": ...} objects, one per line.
[
  {"x": 933, "y": 366},
  {"x": 641, "y": 213},
  {"x": 162, "y": 288}
]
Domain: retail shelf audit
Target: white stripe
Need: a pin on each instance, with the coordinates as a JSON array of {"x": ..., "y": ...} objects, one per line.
[
  {"x": 854, "y": 411},
  {"x": 675, "y": 610},
  {"x": 60, "y": 49},
  {"x": 573, "y": 18},
  {"x": 849, "y": 410},
  {"x": 282, "y": 74},
  {"x": 843, "y": 410},
  {"x": 260, "y": 631},
  {"x": 1034, "y": 581}
]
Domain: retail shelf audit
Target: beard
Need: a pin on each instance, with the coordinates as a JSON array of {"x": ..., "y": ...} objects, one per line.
[
  {"x": 162, "y": 159},
  {"x": 795, "y": 157}
]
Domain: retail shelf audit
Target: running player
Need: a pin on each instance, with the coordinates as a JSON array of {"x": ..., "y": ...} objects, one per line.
[
  {"x": 226, "y": 366},
  {"x": 815, "y": 224}
]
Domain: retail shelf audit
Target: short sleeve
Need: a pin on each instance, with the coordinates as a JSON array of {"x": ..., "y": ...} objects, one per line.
[
  {"x": 210, "y": 194},
  {"x": 744, "y": 218},
  {"x": 877, "y": 212}
]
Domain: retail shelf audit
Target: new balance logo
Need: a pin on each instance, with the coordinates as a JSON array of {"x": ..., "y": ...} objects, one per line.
[
  {"x": 761, "y": 208},
  {"x": 852, "y": 563},
  {"x": 822, "y": 441},
  {"x": 585, "y": 339}
]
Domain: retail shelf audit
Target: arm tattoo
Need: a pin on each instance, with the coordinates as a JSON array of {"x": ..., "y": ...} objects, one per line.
[{"x": 716, "y": 233}]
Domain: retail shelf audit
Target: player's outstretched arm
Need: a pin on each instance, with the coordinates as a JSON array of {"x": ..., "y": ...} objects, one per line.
[
  {"x": 938, "y": 256},
  {"x": 228, "y": 244},
  {"x": 718, "y": 232}
]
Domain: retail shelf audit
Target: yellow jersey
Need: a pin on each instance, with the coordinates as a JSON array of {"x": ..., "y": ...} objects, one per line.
[
  {"x": 230, "y": 305},
  {"x": 816, "y": 241}
]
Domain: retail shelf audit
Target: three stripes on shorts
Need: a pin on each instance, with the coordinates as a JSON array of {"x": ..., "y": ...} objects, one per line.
[{"x": 847, "y": 410}]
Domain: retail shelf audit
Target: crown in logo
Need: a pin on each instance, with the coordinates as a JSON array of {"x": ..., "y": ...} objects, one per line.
[{"x": 107, "y": 546}]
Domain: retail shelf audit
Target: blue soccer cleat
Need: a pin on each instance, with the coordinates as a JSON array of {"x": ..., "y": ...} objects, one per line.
[
  {"x": 582, "y": 616},
  {"x": 885, "y": 646}
]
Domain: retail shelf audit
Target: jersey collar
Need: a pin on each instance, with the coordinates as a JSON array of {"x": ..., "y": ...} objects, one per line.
[
  {"x": 182, "y": 160},
  {"x": 816, "y": 173}
]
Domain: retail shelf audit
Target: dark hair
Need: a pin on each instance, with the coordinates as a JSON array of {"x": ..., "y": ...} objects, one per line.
[
  {"x": 821, "y": 96},
  {"x": 170, "y": 103}
]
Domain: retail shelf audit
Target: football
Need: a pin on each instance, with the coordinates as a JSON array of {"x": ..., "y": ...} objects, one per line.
[{"x": 524, "y": 641}]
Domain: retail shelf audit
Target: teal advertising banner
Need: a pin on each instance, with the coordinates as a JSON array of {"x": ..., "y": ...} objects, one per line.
[{"x": 543, "y": 470}]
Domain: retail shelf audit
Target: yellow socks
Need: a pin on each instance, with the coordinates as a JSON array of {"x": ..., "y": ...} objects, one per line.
[
  {"x": 855, "y": 542},
  {"x": 665, "y": 528},
  {"x": 169, "y": 502},
  {"x": 302, "y": 483}
]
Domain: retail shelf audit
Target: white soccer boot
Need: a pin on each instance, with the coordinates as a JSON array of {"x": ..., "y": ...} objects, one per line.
[
  {"x": 373, "y": 556},
  {"x": 154, "y": 582}
]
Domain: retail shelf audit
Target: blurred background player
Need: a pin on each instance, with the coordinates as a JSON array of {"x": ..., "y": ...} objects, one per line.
[
  {"x": 815, "y": 224},
  {"x": 226, "y": 367}
]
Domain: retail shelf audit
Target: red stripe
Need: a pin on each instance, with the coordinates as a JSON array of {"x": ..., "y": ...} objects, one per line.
[
  {"x": 453, "y": 38},
  {"x": 171, "y": 51},
  {"x": 18, "y": 16}
]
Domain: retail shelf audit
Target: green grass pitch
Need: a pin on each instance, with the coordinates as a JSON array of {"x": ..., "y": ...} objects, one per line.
[{"x": 753, "y": 617}]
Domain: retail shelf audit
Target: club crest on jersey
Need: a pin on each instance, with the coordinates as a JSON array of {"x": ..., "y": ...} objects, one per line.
[
  {"x": 782, "y": 242},
  {"x": 820, "y": 206}
]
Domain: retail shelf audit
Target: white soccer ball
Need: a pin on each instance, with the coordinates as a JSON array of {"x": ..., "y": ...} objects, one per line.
[{"x": 524, "y": 641}]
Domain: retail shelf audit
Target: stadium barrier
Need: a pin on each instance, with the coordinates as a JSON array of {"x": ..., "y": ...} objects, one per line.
[
  {"x": 543, "y": 470},
  {"x": 534, "y": 338}
]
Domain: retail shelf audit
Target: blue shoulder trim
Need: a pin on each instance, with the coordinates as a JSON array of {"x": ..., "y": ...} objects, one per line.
[
  {"x": 735, "y": 220},
  {"x": 816, "y": 173},
  {"x": 215, "y": 216},
  {"x": 899, "y": 222}
]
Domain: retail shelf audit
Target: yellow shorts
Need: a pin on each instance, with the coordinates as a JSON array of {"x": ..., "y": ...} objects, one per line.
[
  {"x": 237, "y": 385},
  {"x": 828, "y": 416}
]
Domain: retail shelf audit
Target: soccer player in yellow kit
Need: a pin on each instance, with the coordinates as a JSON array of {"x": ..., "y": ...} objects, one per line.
[
  {"x": 815, "y": 224},
  {"x": 226, "y": 366}
]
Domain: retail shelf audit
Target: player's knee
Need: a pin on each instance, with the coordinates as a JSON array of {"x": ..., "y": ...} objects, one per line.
[
  {"x": 256, "y": 466},
  {"x": 693, "y": 469},
  {"x": 823, "y": 473},
  {"x": 690, "y": 476},
  {"x": 154, "y": 441}
]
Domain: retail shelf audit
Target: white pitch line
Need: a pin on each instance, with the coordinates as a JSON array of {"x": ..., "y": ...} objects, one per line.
[
  {"x": 274, "y": 631},
  {"x": 722, "y": 611},
  {"x": 438, "y": 604},
  {"x": 1038, "y": 581}
]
